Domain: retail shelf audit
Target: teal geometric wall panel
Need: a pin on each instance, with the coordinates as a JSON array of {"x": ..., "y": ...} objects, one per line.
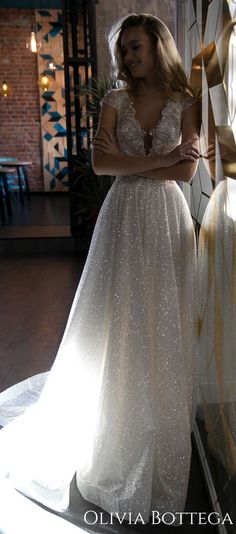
[{"x": 52, "y": 101}]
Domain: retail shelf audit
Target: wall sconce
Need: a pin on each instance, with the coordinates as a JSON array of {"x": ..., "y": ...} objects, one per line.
[
  {"x": 44, "y": 82},
  {"x": 5, "y": 89}
]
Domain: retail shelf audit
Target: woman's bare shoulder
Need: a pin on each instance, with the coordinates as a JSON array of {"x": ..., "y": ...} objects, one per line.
[{"x": 114, "y": 97}]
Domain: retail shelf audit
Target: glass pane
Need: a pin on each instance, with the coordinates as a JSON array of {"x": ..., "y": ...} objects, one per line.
[{"x": 213, "y": 204}]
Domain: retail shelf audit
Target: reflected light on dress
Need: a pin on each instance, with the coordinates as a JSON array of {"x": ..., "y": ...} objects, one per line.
[{"x": 230, "y": 206}]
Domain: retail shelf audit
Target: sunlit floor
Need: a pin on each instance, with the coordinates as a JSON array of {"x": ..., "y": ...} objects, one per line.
[
  {"x": 21, "y": 515},
  {"x": 36, "y": 295}
]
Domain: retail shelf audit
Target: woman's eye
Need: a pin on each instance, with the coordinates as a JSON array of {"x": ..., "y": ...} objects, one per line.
[{"x": 135, "y": 47}]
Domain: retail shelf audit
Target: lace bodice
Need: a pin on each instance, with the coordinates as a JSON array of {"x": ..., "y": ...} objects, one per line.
[{"x": 131, "y": 137}]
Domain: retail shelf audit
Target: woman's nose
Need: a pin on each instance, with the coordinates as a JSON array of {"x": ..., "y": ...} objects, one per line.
[{"x": 129, "y": 57}]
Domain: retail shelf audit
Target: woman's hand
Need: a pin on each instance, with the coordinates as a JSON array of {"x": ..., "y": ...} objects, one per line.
[
  {"x": 227, "y": 152},
  {"x": 227, "y": 155},
  {"x": 106, "y": 144},
  {"x": 185, "y": 151}
]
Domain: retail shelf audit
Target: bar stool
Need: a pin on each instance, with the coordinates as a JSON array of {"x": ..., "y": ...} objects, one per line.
[
  {"x": 5, "y": 194},
  {"x": 20, "y": 168}
]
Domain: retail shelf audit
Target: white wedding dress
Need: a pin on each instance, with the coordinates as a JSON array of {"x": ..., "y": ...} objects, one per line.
[{"x": 119, "y": 404}]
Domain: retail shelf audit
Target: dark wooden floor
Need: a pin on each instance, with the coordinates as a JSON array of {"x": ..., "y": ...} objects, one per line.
[
  {"x": 40, "y": 210},
  {"x": 36, "y": 296},
  {"x": 44, "y": 215}
]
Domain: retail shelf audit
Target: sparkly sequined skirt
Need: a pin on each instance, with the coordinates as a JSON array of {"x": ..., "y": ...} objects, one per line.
[{"x": 119, "y": 403}]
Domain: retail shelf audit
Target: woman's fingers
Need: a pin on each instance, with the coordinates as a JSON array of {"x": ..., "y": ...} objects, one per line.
[
  {"x": 101, "y": 148},
  {"x": 101, "y": 140},
  {"x": 105, "y": 139},
  {"x": 193, "y": 152},
  {"x": 100, "y": 143},
  {"x": 189, "y": 152},
  {"x": 106, "y": 143},
  {"x": 184, "y": 151},
  {"x": 211, "y": 156},
  {"x": 194, "y": 148},
  {"x": 190, "y": 157}
]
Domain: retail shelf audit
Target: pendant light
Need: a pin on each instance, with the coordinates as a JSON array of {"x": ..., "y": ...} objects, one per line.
[
  {"x": 44, "y": 82},
  {"x": 32, "y": 43},
  {"x": 5, "y": 89}
]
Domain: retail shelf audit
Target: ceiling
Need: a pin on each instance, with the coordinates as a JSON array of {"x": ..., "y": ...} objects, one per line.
[{"x": 31, "y": 4}]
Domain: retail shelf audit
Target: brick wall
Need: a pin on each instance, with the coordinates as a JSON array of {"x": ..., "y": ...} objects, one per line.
[
  {"x": 20, "y": 131},
  {"x": 107, "y": 13}
]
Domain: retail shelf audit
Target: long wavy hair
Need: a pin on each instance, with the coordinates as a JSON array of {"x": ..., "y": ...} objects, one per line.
[{"x": 169, "y": 67}]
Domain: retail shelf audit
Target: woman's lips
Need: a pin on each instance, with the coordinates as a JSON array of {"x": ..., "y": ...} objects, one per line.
[{"x": 134, "y": 65}]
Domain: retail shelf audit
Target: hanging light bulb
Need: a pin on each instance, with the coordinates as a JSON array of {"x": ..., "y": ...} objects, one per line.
[
  {"x": 33, "y": 43},
  {"x": 44, "y": 82},
  {"x": 5, "y": 89}
]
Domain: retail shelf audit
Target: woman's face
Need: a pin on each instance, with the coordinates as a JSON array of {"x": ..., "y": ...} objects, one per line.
[{"x": 138, "y": 52}]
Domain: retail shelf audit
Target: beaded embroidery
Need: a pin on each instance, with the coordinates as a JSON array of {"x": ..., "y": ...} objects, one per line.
[{"x": 130, "y": 134}]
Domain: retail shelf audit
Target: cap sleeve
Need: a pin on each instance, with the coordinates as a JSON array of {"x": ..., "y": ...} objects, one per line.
[
  {"x": 188, "y": 101},
  {"x": 113, "y": 98}
]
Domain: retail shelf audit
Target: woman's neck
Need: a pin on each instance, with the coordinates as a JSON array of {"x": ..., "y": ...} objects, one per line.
[{"x": 149, "y": 89}]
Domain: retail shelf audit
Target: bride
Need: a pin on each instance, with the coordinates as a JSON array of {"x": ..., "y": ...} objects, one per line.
[{"x": 118, "y": 406}]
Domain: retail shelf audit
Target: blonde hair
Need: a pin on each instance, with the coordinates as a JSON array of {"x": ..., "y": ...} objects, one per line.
[{"x": 169, "y": 65}]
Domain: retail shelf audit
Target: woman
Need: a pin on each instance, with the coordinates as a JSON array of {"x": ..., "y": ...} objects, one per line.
[{"x": 118, "y": 406}]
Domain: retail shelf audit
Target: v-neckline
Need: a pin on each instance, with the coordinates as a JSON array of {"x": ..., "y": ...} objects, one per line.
[{"x": 147, "y": 132}]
